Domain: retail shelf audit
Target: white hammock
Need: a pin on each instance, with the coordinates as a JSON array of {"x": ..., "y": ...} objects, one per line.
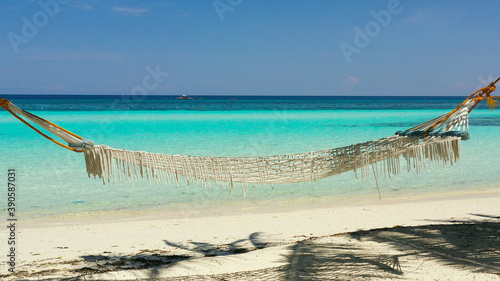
[
  {"x": 437, "y": 140},
  {"x": 384, "y": 155}
]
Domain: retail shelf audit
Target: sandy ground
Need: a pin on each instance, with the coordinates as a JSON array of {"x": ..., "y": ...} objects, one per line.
[{"x": 445, "y": 237}]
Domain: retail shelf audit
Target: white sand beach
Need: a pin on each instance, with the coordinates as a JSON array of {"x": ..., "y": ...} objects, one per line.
[{"x": 438, "y": 237}]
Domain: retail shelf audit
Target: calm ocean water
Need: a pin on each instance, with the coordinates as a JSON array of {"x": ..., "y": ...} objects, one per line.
[{"x": 52, "y": 180}]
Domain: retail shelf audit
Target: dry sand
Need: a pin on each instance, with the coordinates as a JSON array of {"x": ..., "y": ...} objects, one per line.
[{"x": 439, "y": 237}]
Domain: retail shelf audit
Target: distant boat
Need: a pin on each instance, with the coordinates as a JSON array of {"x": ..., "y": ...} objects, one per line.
[{"x": 184, "y": 97}]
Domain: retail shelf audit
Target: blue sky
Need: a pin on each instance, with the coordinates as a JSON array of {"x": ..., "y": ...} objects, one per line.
[{"x": 248, "y": 47}]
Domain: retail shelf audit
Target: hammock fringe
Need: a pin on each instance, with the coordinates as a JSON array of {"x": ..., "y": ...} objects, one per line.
[{"x": 382, "y": 156}]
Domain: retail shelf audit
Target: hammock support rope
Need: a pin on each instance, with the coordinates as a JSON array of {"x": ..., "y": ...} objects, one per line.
[
  {"x": 435, "y": 142},
  {"x": 75, "y": 142}
]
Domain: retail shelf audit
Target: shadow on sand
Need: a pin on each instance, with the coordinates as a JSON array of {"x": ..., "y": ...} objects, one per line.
[
  {"x": 254, "y": 242},
  {"x": 463, "y": 244},
  {"x": 154, "y": 260},
  {"x": 467, "y": 245}
]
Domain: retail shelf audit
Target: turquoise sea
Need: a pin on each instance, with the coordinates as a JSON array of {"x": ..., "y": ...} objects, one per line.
[{"x": 52, "y": 180}]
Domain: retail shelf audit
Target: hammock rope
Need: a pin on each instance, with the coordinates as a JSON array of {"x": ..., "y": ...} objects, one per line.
[
  {"x": 74, "y": 141},
  {"x": 437, "y": 141}
]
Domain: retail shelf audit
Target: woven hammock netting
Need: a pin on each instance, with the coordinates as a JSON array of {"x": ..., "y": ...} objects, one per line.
[
  {"x": 383, "y": 156},
  {"x": 433, "y": 143}
]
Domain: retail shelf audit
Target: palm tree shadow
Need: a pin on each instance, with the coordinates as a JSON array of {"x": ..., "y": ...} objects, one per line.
[
  {"x": 486, "y": 216},
  {"x": 253, "y": 242},
  {"x": 313, "y": 260},
  {"x": 466, "y": 244},
  {"x": 474, "y": 244},
  {"x": 155, "y": 260},
  {"x": 144, "y": 260}
]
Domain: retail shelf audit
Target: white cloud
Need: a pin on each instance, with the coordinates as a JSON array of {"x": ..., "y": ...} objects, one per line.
[
  {"x": 130, "y": 11},
  {"x": 350, "y": 82},
  {"x": 71, "y": 55},
  {"x": 430, "y": 17},
  {"x": 9, "y": 8},
  {"x": 85, "y": 7}
]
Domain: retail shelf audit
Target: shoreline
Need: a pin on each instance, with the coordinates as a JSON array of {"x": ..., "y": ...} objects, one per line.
[
  {"x": 227, "y": 208},
  {"x": 127, "y": 244}
]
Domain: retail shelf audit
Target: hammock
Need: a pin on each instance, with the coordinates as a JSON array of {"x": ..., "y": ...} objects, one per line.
[{"x": 437, "y": 140}]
